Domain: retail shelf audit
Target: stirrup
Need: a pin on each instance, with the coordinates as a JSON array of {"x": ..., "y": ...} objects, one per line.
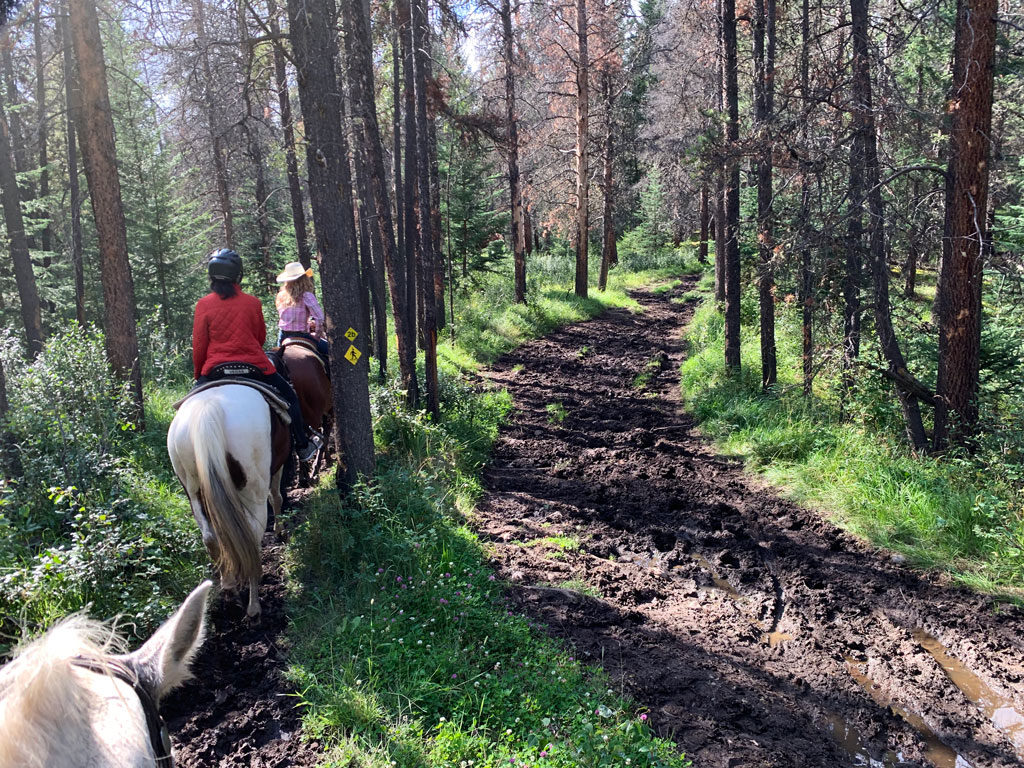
[{"x": 315, "y": 443}]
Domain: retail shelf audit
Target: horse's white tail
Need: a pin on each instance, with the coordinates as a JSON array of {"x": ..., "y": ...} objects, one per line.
[{"x": 238, "y": 551}]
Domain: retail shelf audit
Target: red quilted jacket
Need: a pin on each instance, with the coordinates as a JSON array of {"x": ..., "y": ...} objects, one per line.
[{"x": 229, "y": 331}]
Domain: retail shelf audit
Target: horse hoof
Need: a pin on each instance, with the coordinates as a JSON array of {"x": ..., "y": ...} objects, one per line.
[{"x": 253, "y": 619}]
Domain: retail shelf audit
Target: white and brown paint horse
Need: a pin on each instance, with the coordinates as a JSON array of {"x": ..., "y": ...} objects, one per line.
[
  {"x": 229, "y": 451},
  {"x": 66, "y": 701}
]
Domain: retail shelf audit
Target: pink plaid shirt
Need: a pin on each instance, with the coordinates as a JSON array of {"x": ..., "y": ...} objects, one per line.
[{"x": 295, "y": 318}]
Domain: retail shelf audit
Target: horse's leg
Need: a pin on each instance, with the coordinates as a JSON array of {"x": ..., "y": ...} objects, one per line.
[
  {"x": 205, "y": 530},
  {"x": 277, "y": 502},
  {"x": 253, "y": 610}
]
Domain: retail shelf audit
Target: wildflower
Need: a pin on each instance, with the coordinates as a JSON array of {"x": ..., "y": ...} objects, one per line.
[
  {"x": 380, "y": 570},
  {"x": 643, "y": 717},
  {"x": 492, "y": 577},
  {"x": 443, "y": 601},
  {"x": 398, "y": 579},
  {"x": 454, "y": 675}
]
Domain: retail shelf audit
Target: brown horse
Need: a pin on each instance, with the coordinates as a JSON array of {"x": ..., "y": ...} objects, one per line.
[{"x": 309, "y": 377}]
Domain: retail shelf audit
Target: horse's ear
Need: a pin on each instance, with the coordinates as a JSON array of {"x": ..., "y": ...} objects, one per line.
[{"x": 162, "y": 661}]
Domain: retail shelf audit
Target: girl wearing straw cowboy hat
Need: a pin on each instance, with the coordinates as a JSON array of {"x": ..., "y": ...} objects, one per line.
[{"x": 300, "y": 312}]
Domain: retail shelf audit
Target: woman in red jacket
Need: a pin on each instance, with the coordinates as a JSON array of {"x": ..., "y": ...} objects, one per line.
[{"x": 228, "y": 333}]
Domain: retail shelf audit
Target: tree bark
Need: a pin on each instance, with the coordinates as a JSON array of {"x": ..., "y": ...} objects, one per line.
[
  {"x": 964, "y": 234},
  {"x": 96, "y": 137},
  {"x": 71, "y": 99},
  {"x": 704, "y": 220},
  {"x": 608, "y": 249},
  {"x": 288, "y": 130},
  {"x": 31, "y": 316},
  {"x": 16, "y": 131},
  {"x": 804, "y": 226},
  {"x": 315, "y": 51},
  {"x": 42, "y": 128},
  {"x": 581, "y": 233},
  {"x": 426, "y": 239},
  {"x": 764, "y": 106},
  {"x": 865, "y": 130},
  {"x": 413, "y": 304},
  {"x": 732, "y": 186},
  {"x": 515, "y": 193}
]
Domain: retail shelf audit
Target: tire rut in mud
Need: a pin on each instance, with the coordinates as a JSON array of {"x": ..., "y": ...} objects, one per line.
[
  {"x": 757, "y": 633},
  {"x": 238, "y": 710}
]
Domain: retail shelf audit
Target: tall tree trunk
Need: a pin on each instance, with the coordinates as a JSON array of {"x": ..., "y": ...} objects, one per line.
[
  {"x": 704, "y": 220},
  {"x": 220, "y": 168},
  {"x": 864, "y": 126},
  {"x": 732, "y": 194},
  {"x": 396, "y": 130},
  {"x": 71, "y": 100},
  {"x": 413, "y": 304},
  {"x": 23, "y": 274},
  {"x": 764, "y": 106},
  {"x": 608, "y": 250},
  {"x": 16, "y": 131},
  {"x": 804, "y": 217},
  {"x": 96, "y": 137},
  {"x": 370, "y": 151},
  {"x": 426, "y": 239},
  {"x": 288, "y": 130},
  {"x": 315, "y": 51},
  {"x": 964, "y": 234},
  {"x": 42, "y": 128},
  {"x": 581, "y": 234},
  {"x": 917, "y": 229},
  {"x": 515, "y": 193},
  {"x": 528, "y": 233}
]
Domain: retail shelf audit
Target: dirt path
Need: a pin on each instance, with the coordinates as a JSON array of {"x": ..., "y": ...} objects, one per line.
[
  {"x": 237, "y": 711},
  {"x": 757, "y": 633}
]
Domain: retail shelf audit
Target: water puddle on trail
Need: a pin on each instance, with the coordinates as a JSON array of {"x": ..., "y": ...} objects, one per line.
[
  {"x": 854, "y": 746},
  {"x": 1000, "y": 710},
  {"x": 935, "y": 750},
  {"x": 722, "y": 584}
]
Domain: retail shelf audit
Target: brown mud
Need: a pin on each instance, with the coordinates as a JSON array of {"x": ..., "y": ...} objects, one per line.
[
  {"x": 238, "y": 711},
  {"x": 756, "y": 632}
]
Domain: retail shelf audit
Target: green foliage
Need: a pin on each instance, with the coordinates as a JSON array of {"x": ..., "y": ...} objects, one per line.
[
  {"x": 89, "y": 512},
  {"x": 950, "y": 513},
  {"x": 556, "y": 413},
  {"x": 407, "y": 653}
]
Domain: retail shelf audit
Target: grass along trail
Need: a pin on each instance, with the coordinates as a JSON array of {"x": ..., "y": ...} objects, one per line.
[{"x": 754, "y": 631}]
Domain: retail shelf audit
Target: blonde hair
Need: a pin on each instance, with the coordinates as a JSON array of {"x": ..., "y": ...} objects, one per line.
[{"x": 291, "y": 292}]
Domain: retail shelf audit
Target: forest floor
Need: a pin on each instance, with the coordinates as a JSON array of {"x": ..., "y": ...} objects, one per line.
[{"x": 756, "y": 632}]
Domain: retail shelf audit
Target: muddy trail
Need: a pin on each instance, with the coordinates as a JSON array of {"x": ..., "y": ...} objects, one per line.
[
  {"x": 238, "y": 711},
  {"x": 756, "y": 633}
]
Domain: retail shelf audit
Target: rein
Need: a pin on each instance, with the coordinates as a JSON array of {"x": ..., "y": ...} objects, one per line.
[{"x": 158, "y": 735}]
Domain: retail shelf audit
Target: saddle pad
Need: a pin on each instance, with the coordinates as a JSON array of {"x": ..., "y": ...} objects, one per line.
[
  {"x": 274, "y": 400},
  {"x": 310, "y": 345}
]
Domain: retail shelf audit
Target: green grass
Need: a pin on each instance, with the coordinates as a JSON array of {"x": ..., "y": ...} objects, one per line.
[{"x": 948, "y": 514}]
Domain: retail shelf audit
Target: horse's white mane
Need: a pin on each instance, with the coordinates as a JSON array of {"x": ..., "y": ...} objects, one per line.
[{"x": 41, "y": 699}]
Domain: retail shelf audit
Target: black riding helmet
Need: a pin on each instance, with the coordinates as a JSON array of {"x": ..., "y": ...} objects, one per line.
[{"x": 225, "y": 264}]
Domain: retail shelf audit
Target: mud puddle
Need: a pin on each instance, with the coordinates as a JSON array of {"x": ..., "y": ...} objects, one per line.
[
  {"x": 727, "y": 611},
  {"x": 999, "y": 709}
]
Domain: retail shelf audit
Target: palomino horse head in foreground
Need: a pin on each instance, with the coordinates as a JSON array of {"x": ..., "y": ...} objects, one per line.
[
  {"x": 228, "y": 452},
  {"x": 67, "y": 702}
]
